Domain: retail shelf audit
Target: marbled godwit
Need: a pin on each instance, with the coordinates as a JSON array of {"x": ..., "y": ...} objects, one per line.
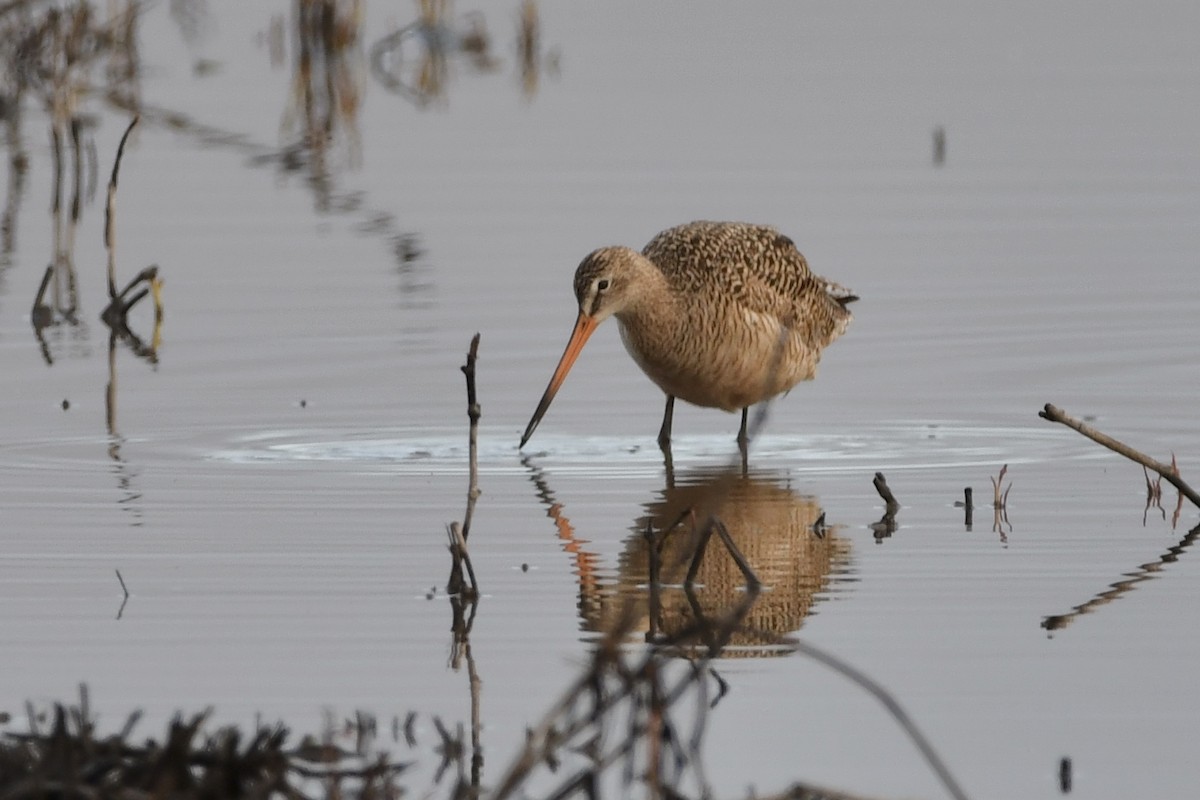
[{"x": 720, "y": 314}]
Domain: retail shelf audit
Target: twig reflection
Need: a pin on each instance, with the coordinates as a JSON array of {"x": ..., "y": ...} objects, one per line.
[
  {"x": 415, "y": 62},
  {"x": 326, "y": 91},
  {"x": 1122, "y": 587}
]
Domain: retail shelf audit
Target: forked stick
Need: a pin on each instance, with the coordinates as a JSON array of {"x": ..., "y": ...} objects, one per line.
[{"x": 1056, "y": 414}]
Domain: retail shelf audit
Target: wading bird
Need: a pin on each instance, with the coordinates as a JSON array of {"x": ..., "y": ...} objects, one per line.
[{"x": 720, "y": 314}]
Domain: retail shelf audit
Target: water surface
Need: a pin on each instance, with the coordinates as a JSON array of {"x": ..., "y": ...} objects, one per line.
[{"x": 274, "y": 487}]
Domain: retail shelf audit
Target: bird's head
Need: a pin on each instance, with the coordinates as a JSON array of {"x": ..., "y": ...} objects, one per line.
[
  {"x": 604, "y": 281},
  {"x": 604, "y": 285}
]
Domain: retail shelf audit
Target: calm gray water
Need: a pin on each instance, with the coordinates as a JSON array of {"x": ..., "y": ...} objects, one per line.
[{"x": 274, "y": 489}]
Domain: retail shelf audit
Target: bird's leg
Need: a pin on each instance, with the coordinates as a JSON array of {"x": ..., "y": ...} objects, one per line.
[
  {"x": 743, "y": 442},
  {"x": 669, "y": 467},
  {"x": 664, "y": 433}
]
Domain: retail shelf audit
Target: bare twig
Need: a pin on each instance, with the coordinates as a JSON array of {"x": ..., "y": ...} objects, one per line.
[
  {"x": 458, "y": 535},
  {"x": 474, "y": 412},
  {"x": 1001, "y": 498},
  {"x": 1055, "y": 414}
]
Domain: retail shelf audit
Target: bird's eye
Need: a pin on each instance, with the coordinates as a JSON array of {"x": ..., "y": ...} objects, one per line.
[{"x": 601, "y": 284}]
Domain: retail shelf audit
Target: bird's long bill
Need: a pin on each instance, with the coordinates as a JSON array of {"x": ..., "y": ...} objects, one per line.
[{"x": 584, "y": 326}]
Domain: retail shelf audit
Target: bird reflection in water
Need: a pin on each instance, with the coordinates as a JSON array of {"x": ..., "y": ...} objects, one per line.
[{"x": 780, "y": 533}]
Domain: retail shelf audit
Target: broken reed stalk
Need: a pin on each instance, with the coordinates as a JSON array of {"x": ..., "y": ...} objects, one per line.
[
  {"x": 458, "y": 535},
  {"x": 110, "y": 210},
  {"x": 1055, "y": 414},
  {"x": 1001, "y": 499},
  {"x": 474, "y": 412}
]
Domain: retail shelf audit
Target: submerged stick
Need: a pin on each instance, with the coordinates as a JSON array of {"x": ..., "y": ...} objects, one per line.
[{"x": 1055, "y": 414}]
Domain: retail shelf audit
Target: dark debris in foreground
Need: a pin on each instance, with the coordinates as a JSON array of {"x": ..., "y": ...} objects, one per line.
[{"x": 68, "y": 761}]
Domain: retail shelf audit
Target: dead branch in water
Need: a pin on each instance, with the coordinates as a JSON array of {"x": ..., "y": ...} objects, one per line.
[
  {"x": 1171, "y": 473},
  {"x": 474, "y": 412},
  {"x": 885, "y": 492},
  {"x": 886, "y": 525},
  {"x": 458, "y": 535},
  {"x": 967, "y": 504}
]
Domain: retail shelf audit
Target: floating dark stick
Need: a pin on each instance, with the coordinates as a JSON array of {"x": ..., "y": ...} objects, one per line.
[{"x": 1055, "y": 414}]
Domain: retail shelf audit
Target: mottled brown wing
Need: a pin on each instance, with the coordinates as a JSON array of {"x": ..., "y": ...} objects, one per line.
[{"x": 754, "y": 267}]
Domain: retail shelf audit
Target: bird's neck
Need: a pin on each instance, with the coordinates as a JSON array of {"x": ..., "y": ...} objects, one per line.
[{"x": 654, "y": 306}]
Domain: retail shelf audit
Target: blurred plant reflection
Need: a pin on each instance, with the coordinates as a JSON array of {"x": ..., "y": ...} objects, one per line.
[
  {"x": 415, "y": 61},
  {"x": 51, "y": 52},
  {"x": 781, "y": 534},
  {"x": 326, "y": 90}
]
